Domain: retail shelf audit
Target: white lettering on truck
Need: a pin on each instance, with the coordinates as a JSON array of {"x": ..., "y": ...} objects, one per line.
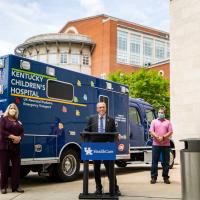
[{"x": 26, "y": 84}]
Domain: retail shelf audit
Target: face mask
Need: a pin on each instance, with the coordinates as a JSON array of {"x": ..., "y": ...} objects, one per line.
[
  {"x": 12, "y": 112},
  {"x": 161, "y": 115}
]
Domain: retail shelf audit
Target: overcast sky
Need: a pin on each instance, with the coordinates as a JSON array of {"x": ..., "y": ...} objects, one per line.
[{"x": 21, "y": 19}]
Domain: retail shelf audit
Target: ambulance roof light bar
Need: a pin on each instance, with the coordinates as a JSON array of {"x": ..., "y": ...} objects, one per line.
[
  {"x": 50, "y": 71},
  {"x": 25, "y": 65}
]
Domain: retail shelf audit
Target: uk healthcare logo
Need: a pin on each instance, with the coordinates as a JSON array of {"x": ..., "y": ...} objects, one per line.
[
  {"x": 98, "y": 151},
  {"x": 88, "y": 151}
]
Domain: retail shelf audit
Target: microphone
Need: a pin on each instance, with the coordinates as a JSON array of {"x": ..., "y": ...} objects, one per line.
[
  {"x": 88, "y": 126},
  {"x": 95, "y": 123}
]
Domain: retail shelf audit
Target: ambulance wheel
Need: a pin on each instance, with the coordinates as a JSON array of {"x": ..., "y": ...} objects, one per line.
[
  {"x": 121, "y": 163},
  {"x": 171, "y": 158},
  {"x": 69, "y": 166}
]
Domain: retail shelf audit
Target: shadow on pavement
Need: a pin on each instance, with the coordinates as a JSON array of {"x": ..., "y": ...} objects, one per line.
[{"x": 33, "y": 179}]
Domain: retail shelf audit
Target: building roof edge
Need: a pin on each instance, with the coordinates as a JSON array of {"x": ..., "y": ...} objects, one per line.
[{"x": 115, "y": 19}]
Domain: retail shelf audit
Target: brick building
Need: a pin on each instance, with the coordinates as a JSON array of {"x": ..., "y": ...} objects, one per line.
[
  {"x": 122, "y": 45},
  {"x": 162, "y": 68}
]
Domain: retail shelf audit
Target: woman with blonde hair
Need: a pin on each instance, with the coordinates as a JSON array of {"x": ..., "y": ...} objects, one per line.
[{"x": 11, "y": 132}]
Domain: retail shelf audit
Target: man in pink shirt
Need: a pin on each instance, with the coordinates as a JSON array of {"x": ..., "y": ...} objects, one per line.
[{"x": 160, "y": 130}]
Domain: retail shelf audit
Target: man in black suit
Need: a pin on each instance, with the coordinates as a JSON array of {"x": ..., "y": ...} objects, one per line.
[{"x": 101, "y": 123}]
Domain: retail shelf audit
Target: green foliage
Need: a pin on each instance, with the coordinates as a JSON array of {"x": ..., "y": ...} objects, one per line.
[{"x": 146, "y": 84}]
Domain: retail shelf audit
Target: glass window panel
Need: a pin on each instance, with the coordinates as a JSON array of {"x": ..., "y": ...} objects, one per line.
[
  {"x": 122, "y": 40},
  {"x": 75, "y": 59},
  {"x": 168, "y": 50},
  {"x": 147, "y": 51},
  {"x": 159, "y": 50},
  {"x": 134, "y": 115},
  {"x": 43, "y": 58},
  {"x": 135, "y": 44},
  {"x": 63, "y": 58},
  {"x": 148, "y": 47},
  {"x": 135, "y": 41},
  {"x": 150, "y": 115},
  {"x": 122, "y": 56},
  {"x": 52, "y": 58},
  {"x": 34, "y": 57},
  {"x": 134, "y": 59},
  {"x": 85, "y": 59},
  {"x": 60, "y": 90}
]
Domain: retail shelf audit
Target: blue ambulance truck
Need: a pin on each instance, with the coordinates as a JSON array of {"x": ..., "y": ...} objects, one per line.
[{"x": 54, "y": 105}]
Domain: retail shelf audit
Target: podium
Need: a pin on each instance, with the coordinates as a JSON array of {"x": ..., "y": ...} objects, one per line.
[{"x": 98, "y": 146}]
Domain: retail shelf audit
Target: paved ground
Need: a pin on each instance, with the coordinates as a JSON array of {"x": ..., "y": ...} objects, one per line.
[{"x": 133, "y": 181}]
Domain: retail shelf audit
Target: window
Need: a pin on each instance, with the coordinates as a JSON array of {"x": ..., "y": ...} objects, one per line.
[
  {"x": 85, "y": 59},
  {"x": 42, "y": 58},
  {"x": 75, "y": 59},
  {"x": 148, "y": 47},
  {"x": 34, "y": 57},
  {"x": 148, "y": 51},
  {"x": 122, "y": 40},
  {"x": 135, "y": 49},
  {"x": 60, "y": 90},
  {"x": 52, "y": 58},
  {"x": 134, "y": 59},
  {"x": 135, "y": 43},
  {"x": 168, "y": 50},
  {"x": 63, "y": 58},
  {"x": 134, "y": 115},
  {"x": 122, "y": 57},
  {"x": 159, "y": 50},
  {"x": 122, "y": 54},
  {"x": 150, "y": 115}
]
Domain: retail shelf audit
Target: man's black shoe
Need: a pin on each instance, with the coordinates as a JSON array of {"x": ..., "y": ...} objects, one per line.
[
  {"x": 117, "y": 192},
  {"x": 98, "y": 192},
  {"x": 153, "y": 181},
  {"x": 3, "y": 191},
  {"x": 18, "y": 190},
  {"x": 166, "y": 181}
]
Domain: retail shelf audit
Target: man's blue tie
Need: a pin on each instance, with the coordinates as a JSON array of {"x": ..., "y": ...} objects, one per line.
[{"x": 101, "y": 128}]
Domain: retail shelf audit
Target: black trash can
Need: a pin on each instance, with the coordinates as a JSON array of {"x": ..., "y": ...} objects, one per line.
[{"x": 190, "y": 169}]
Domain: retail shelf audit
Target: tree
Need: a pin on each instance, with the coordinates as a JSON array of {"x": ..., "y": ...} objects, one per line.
[{"x": 145, "y": 84}]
